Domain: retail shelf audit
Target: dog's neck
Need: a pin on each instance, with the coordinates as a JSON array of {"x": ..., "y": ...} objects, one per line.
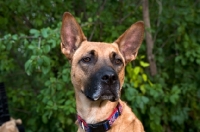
[{"x": 93, "y": 111}]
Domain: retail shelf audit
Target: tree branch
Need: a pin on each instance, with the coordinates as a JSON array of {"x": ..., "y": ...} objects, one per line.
[
  {"x": 97, "y": 14},
  {"x": 149, "y": 40}
]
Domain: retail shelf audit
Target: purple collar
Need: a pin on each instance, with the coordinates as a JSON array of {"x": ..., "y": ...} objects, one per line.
[{"x": 101, "y": 126}]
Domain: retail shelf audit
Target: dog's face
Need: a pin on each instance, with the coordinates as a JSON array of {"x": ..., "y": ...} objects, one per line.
[{"x": 97, "y": 69}]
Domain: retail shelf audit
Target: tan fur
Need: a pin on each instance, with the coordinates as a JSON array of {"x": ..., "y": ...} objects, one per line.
[
  {"x": 74, "y": 46},
  {"x": 10, "y": 126}
]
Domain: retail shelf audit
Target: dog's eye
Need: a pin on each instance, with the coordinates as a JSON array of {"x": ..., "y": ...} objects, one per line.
[
  {"x": 118, "y": 61},
  {"x": 86, "y": 59}
]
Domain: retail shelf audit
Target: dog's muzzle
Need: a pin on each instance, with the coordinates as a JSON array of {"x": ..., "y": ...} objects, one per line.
[{"x": 103, "y": 85}]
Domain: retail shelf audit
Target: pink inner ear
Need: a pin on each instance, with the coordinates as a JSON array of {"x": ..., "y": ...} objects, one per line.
[
  {"x": 133, "y": 39},
  {"x": 130, "y": 41},
  {"x": 128, "y": 54},
  {"x": 69, "y": 41},
  {"x": 71, "y": 34}
]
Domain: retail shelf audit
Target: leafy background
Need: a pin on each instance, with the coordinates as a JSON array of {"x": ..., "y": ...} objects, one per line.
[{"x": 37, "y": 75}]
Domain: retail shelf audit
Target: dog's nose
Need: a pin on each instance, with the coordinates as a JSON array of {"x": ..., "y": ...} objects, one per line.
[{"x": 109, "y": 77}]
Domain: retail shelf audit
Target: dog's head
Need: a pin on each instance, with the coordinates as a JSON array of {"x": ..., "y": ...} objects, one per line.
[{"x": 97, "y": 69}]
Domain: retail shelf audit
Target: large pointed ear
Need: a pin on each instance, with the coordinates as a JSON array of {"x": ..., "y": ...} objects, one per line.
[
  {"x": 71, "y": 35},
  {"x": 129, "y": 42}
]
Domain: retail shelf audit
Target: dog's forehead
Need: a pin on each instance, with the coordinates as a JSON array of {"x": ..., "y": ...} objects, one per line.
[{"x": 99, "y": 47}]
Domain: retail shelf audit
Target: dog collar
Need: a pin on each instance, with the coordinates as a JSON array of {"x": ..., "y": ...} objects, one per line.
[{"x": 101, "y": 126}]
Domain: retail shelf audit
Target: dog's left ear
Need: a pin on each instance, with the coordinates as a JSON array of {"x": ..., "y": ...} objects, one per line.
[{"x": 129, "y": 42}]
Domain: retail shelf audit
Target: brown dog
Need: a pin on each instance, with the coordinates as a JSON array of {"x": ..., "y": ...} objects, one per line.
[{"x": 97, "y": 74}]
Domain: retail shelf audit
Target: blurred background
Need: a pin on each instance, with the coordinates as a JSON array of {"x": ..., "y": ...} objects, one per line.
[{"x": 162, "y": 85}]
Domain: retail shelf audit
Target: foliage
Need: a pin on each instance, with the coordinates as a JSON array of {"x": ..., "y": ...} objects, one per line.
[
  {"x": 39, "y": 86},
  {"x": 37, "y": 75},
  {"x": 22, "y": 15}
]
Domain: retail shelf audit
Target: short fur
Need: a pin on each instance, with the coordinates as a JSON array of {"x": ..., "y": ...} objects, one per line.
[{"x": 97, "y": 73}]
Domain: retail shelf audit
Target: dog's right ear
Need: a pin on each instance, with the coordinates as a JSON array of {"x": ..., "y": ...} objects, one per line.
[
  {"x": 71, "y": 35},
  {"x": 129, "y": 42}
]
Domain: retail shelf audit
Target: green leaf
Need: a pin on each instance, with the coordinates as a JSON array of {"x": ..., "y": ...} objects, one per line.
[
  {"x": 142, "y": 57},
  {"x": 46, "y": 48},
  {"x": 32, "y": 47},
  {"x": 35, "y": 32},
  {"x": 143, "y": 89},
  {"x": 52, "y": 42},
  {"x": 46, "y": 60},
  {"x": 44, "y": 119},
  {"x": 136, "y": 70},
  {"x": 15, "y": 37},
  {"x": 198, "y": 61},
  {"x": 144, "y": 64},
  {"x": 44, "y": 32},
  {"x": 90, "y": 19},
  {"x": 28, "y": 67},
  {"x": 61, "y": 118},
  {"x": 40, "y": 61},
  {"x": 145, "y": 99},
  {"x": 50, "y": 103},
  {"x": 144, "y": 76}
]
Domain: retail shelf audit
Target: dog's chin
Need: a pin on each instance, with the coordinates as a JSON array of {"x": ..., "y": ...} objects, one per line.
[{"x": 110, "y": 98}]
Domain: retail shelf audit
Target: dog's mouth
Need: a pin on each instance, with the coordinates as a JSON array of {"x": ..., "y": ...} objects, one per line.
[
  {"x": 111, "y": 98},
  {"x": 109, "y": 95},
  {"x": 102, "y": 94}
]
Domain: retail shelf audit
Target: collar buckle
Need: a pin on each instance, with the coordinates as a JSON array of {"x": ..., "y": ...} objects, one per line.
[{"x": 82, "y": 125}]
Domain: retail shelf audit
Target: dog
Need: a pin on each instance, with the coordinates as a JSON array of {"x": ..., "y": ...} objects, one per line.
[{"x": 97, "y": 74}]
